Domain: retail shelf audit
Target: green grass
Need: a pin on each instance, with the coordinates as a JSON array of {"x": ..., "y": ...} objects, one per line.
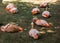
[{"x": 24, "y": 18}]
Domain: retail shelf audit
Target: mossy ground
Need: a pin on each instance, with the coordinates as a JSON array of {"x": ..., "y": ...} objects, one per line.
[{"x": 23, "y": 18}]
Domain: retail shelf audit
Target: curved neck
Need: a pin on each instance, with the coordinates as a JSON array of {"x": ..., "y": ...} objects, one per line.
[{"x": 32, "y": 25}]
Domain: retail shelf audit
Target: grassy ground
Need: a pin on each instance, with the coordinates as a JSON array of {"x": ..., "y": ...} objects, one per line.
[{"x": 24, "y": 18}]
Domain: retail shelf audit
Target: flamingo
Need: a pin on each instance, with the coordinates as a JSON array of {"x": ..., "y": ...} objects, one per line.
[
  {"x": 11, "y": 28},
  {"x": 44, "y": 5},
  {"x": 33, "y": 32},
  {"x": 46, "y": 13},
  {"x": 13, "y": 10},
  {"x": 41, "y": 22},
  {"x": 9, "y": 6},
  {"x": 35, "y": 10}
]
